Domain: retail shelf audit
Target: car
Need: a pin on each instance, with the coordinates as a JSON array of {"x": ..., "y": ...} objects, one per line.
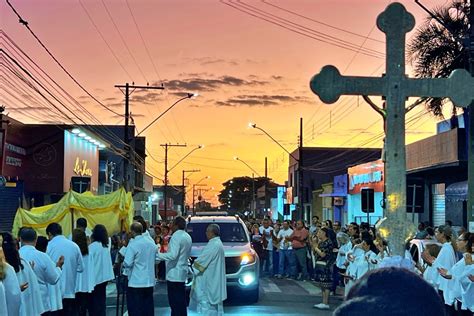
[
  {"x": 241, "y": 261},
  {"x": 417, "y": 246}
]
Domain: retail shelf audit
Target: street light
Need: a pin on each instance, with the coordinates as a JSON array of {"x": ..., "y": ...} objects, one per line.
[
  {"x": 184, "y": 188},
  {"x": 188, "y": 96},
  {"x": 253, "y": 184},
  {"x": 298, "y": 160},
  {"x": 189, "y": 153}
]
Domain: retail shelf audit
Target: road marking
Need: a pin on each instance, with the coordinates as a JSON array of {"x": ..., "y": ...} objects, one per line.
[
  {"x": 270, "y": 287},
  {"x": 313, "y": 290}
]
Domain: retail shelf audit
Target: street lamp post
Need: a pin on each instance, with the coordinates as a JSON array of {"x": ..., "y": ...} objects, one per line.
[
  {"x": 184, "y": 188},
  {"x": 188, "y": 96},
  {"x": 298, "y": 160},
  {"x": 253, "y": 185}
]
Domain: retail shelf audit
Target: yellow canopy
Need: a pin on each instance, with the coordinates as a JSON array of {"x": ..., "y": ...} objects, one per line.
[{"x": 114, "y": 211}]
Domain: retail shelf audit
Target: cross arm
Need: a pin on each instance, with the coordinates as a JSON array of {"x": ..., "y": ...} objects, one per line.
[
  {"x": 459, "y": 87},
  {"x": 329, "y": 84}
]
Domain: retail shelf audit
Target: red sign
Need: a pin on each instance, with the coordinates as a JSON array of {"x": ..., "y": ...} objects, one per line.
[{"x": 367, "y": 176}]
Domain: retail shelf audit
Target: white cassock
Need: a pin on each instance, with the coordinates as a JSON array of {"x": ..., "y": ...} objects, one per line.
[
  {"x": 101, "y": 261},
  {"x": 365, "y": 263},
  {"x": 341, "y": 255},
  {"x": 3, "y": 299},
  {"x": 351, "y": 270},
  {"x": 454, "y": 289},
  {"x": 45, "y": 270},
  {"x": 12, "y": 291},
  {"x": 85, "y": 279},
  {"x": 209, "y": 287},
  {"x": 31, "y": 300},
  {"x": 467, "y": 289},
  {"x": 446, "y": 259},
  {"x": 73, "y": 263}
]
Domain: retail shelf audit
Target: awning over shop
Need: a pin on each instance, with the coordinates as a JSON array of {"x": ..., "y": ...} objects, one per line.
[
  {"x": 333, "y": 195},
  {"x": 457, "y": 191}
]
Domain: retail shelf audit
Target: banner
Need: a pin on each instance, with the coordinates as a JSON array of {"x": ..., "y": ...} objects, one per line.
[{"x": 114, "y": 211}]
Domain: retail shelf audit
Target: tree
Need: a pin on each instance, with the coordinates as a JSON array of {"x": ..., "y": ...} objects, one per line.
[
  {"x": 236, "y": 197},
  {"x": 439, "y": 46}
]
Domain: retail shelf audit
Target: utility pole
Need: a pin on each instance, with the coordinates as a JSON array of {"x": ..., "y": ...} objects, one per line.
[
  {"x": 165, "y": 193},
  {"x": 254, "y": 206},
  {"x": 184, "y": 188},
  {"x": 300, "y": 174},
  {"x": 470, "y": 130},
  {"x": 3, "y": 137},
  {"x": 266, "y": 188},
  {"x": 194, "y": 194},
  {"x": 126, "y": 139}
]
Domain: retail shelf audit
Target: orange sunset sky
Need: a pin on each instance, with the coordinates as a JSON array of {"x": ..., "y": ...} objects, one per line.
[{"x": 245, "y": 69}]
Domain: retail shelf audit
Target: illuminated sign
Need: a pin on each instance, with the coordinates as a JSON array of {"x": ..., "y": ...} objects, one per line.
[
  {"x": 81, "y": 168},
  {"x": 368, "y": 175}
]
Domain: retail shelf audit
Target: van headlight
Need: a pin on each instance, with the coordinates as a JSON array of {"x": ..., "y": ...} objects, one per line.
[
  {"x": 247, "y": 279},
  {"x": 247, "y": 258}
]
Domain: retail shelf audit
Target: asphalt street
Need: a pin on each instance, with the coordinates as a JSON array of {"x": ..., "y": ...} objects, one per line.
[{"x": 277, "y": 297}]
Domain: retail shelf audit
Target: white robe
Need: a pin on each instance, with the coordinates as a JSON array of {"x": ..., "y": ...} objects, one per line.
[
  {"x": 454, "y": 290},
  {"x": 12, "y": 291},
  {"x": 31, "y": 300},
  {"x": 3, "y": 299},
  {"x": 85, "y": 279},
  {"x": 351, "y": 270},
  {"x": 101, "y": 261},
  {"x": 210, "y": 284},
  {"x": 45, "y": 270},
  {"x": 446, "y": 260},
  {"x": 467, "y": 289},
  {"x": 341, "y": 255},
  {"x": 61, "y": 246}
]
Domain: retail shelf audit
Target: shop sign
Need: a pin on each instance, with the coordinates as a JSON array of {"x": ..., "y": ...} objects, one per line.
[
  {"x": 366, "y": 176},
  {"x": 81, "y": 168}
]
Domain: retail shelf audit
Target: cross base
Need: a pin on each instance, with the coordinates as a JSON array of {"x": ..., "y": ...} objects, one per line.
[{"x": 395, "y": 230}]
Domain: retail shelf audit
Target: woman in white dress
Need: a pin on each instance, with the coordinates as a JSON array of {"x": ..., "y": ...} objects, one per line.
[
  {"x": 458, "y": 275},
  {"x": 101, "y": 260},
  {"x": 31, "y": 301},
  {"x": 84, "y": 279},
  {"x": 445, "y": 260}
]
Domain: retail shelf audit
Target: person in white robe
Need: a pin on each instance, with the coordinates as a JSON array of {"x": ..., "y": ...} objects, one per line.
[
  {"x": 10, "y": 292},
  {"x": 352, "y": 258},
  {"x": 31, "y": 302},
  {"x": 73, "y": 264},
  {"x": 445, "y": 260},
  {"x": 103, "y": 272},
  {"x": 209, "y": 289},
  {"x": 84, "y": 279},
  {"x": 44, "y": 268}
]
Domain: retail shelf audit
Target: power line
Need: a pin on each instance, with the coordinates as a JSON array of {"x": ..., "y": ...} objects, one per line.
[
  {"x": 25, "y": 23},
  {"x": 123, "y": 41},
  {"x": 290, "y": 26},
  {"x": 319, "y": 22}
]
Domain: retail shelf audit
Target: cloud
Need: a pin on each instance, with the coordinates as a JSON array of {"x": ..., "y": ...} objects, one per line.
[
  {"x": 210, "y": 84},
  {"x": 261, "y": 100},
  {"x": 206, "y": 61},
  {"x": 277, "y": 77},
  {"x": 28, "y": 108},
  {"x": 109, "y": 99}
]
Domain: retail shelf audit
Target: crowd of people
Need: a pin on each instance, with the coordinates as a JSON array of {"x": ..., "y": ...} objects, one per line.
[
  {"x": 62, "y": 275},
  {"x": 333, "y": 257}
]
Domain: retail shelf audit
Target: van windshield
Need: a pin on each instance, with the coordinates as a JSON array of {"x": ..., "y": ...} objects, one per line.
[{"x": 230, "y": 232}]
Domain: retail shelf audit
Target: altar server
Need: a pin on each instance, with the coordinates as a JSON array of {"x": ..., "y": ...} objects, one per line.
[
  {"x": 61, "y": 246},
  {"x": 209, "y": 287},
  {"x": 44, "y": 268},
  {"x": 101, "y": 261}
]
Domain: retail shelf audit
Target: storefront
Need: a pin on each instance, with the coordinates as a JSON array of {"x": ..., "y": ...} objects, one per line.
[
  {"x": 337, "y": 199},
  {"x": 366, "y": 192}
]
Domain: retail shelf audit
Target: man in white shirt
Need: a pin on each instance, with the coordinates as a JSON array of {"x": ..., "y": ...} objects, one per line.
[
  {"x": 179, "y": 250},
  {"x": 61, "y": 246},
  {"x": 267, "y": 262},
  {"x": 287, "y": 264},
  {"x": 210, "y": 285},
  {"x": 139, "y": 266},
  {"x": 45, "y": 269}
]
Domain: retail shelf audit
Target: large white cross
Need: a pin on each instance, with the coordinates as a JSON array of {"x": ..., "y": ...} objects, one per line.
[{"x": 396, "y": 87}]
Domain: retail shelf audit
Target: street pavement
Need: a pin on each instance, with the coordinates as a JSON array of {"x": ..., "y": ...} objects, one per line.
[{"x": 277, "y": 297}]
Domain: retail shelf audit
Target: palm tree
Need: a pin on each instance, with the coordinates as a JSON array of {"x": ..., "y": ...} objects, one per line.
[{"x": 439, "y": 46}]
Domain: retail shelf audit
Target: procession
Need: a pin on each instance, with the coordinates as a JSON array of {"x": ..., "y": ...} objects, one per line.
[{"x": 237, "y": 157}]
